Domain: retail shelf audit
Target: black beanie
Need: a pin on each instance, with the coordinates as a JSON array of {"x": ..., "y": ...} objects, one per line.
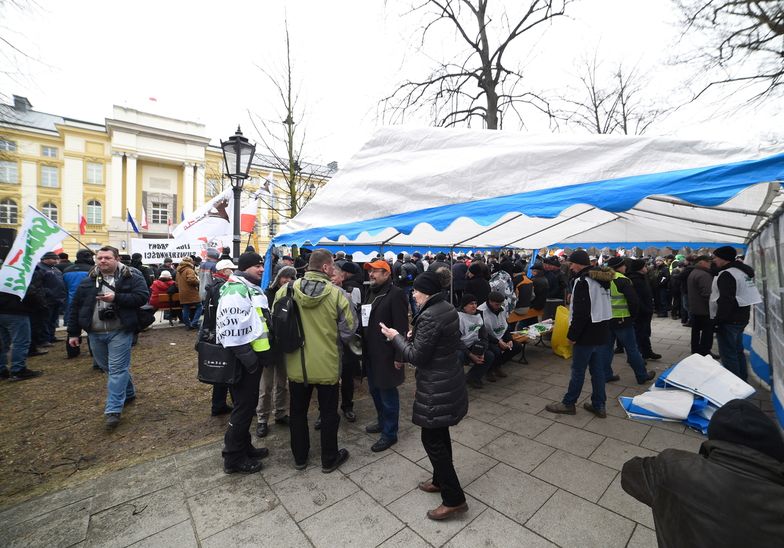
[
  {"x": 580, "y": 257},
  {"x": 475, "y": 269},
  {"x": 742, "y": 422},
  {"x": 635, "y": 265},
  {"x": 467, "y": 298},
  {"x": 726, "y": 252},
  {"x": 428, "y": 283},
  {"x": 615, "y": 262}
]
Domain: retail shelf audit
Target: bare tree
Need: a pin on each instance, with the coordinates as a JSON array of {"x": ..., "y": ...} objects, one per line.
[
  {"x": 478, "y": 84},
  {"x": 301, "y": 180},
  {"x": 745, "y": 42},
  {"x": 610, "y": 101}
]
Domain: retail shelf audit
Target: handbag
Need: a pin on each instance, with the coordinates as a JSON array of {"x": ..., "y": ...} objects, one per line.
[{"x": 217, "y": 365}]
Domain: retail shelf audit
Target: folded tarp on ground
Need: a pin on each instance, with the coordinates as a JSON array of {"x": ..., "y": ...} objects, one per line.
[
  {"x": 670, "y": 405},
  {"x": 704, "y": 376}
]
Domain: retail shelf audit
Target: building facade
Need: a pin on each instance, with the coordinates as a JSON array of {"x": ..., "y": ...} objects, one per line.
[{"x": 154, "y": 166}]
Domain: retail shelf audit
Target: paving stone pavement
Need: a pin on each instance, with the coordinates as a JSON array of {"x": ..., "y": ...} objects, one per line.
[{"x": 531, "y": 478}]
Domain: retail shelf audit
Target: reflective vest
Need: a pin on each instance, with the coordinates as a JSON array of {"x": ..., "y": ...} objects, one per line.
[
  {"x": 261, "y": 344},
  {"x": 620, "y": 308}
]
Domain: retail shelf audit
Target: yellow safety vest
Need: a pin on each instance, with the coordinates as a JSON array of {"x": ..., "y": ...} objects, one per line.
[
  {"x": 620, "y": 308},
  {"x": 261, "y": 344}
]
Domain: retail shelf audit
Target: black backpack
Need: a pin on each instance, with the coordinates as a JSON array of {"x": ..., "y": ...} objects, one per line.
[
  {"x": 408, "y": 271},
  {"x": 287, "y": 333}
]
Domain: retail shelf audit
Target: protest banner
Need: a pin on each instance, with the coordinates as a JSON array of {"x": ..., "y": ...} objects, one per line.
[
  {"x": 156, "y": 250},
  {"x": 37, "y": 235}
]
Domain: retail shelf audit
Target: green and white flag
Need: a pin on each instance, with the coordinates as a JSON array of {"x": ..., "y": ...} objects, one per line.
[{"x": 38, "y": 235}]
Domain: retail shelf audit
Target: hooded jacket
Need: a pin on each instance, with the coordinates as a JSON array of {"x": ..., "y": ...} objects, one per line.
[
  {"x": 699, "y": 285},
  {"x": 582, "y": 329},
  {"x": 130, "y": 293},
  {"x": 728, "y": 495},
  {"x": 441, "y": 399},
  {"x": 187, "y": 282},
  {"x": 642, "y": 287},
  {"x": 728, "y": 310},
  {"x": 327, "y": 319}
]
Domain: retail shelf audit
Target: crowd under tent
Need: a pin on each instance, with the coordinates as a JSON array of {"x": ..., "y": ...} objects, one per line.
[{"x": 452, "y": 189}]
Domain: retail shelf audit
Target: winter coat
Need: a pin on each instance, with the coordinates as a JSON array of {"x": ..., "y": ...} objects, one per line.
[
  {"x": 34, "y": 299},
  {"x": 728, "y": 495},
  {"x": 582, "y": 330},
  {"x": 130, "y": 293},
  {"x": 541, "y": 290},
  {"x": 389, "y": 305},
  {"x": 72, "y": 277},
  {"x": 54, "y": 286},
  {"x": 478, "y": 287},
  {"x": 158, "y": 287},
  {"x": 644, "y": 295},
  {"x": 728, "y": 310},
  {"x": 187, "y": 283},
  {"x": 459, "y": 271},
  {"x": 327, "y": 319},
  {"x": 441, "y": 399},
  {"x": 699, "y": 284}
]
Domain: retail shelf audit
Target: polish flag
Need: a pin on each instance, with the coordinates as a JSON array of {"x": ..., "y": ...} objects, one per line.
[
  {"x": 248, "y": 213},
  {"x": 145, "y": 225},
  {"x": 82, "y": 226}
]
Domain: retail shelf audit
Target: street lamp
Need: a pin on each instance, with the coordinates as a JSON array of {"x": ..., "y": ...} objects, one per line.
[{"x": 237, "y": 155}]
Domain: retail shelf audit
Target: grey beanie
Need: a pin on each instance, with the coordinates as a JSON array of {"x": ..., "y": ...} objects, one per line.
[{"x": 289, "y": 271}]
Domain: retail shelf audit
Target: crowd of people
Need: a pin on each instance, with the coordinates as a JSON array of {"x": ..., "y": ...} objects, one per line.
[{"x": 451, "y": 317}]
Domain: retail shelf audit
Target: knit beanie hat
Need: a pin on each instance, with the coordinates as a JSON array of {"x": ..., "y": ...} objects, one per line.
[
  {"x": 428, "y": 283},
  {"x": 615, "y": 262},
  {"x": 580, "y": 257},
  {"x": 726, "y": 252},
  {"x": 467, "y": 298},
  {"x": 286, "y": 271},
  {"x": 742, "y": 422},
  {"x": 635, "y": 265},
  {"x": 475, "y": 269}
]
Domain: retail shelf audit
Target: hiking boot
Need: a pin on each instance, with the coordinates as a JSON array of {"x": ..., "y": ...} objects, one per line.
[
  {"x": 560, "y": 408},
  {"x": 340, "y": 459},
  {"x": 245, "y": 466},
  {"x": 25, "y": 374},
  {"x": 648, "y": 377},
  {"x": 262, "y": 430},
  {"x": 112, "y": 420},
  {"x": 600, "y": 412}
]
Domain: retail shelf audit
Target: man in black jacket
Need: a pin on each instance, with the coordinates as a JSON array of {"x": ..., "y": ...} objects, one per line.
[
  {"x": 732, "y": 295},
  {"x": 106, "y": 306},
  {"x": 731, "y": 494},
  {"x": 56, "y": 296},
  {"x": 699, "y": 285},
  {"x": 642, "y": 322},
  {"x": 589, "y": 331},
  {"x": 15, "y": 330},
  {"x": 383, "y": 304}
]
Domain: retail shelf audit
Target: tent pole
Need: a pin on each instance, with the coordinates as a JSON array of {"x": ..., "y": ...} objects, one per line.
[
  {"x": 551, "y": 226},
  {"x": 701, "y": 222},
  {"x": 727, "y": 209},
  {"x": 487, "y": 230}
]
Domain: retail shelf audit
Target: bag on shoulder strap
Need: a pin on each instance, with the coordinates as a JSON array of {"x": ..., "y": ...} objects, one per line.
[{"x": 217, "y": 365}]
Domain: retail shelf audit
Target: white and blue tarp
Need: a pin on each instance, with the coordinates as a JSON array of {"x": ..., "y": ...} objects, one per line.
[
  {"x": 670, "y": 405},
  {"x": 445, "y": 188},
  {"x": 703, "y": 376}
]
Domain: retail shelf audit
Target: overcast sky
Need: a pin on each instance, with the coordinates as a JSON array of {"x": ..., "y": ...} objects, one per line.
[{"x": 199, "y": 60}]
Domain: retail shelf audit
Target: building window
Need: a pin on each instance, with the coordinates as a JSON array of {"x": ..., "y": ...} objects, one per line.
[
  {"x": 49, "y": 176},
  {"x": 94, "y": 213},
  {"x": 214, "y": 187},
  {"x": 7, "y": 146},
  {"x": 49, "y": 152},
  {"x": 50, "y": 210},
  {"x": 273, "y": 228},
  {"x": 160, "y": 213},
  {"x": 9, "y": 212},
  {"x": 94, "y": 173},
  {"x": 9, "y": 172}
]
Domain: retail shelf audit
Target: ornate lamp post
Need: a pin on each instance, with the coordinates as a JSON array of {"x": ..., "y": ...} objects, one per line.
[{"x": 237, "y": 155}]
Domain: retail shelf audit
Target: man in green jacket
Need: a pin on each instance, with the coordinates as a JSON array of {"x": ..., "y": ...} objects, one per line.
[{"x": 327, "y": 318}]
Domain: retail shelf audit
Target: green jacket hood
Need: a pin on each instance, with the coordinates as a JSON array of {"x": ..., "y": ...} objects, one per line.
[{"x": 311, "y": 290}]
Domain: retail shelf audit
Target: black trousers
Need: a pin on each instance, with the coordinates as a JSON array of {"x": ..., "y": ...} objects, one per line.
[
  {"x": 701, "y": 334},
  {"x": 350, "y": 366},
  {"x": 219, "y": 394},
  {"x": 245, "y": 394},
  {"x": 299, "y": 399},
  {"x": 438, "y": 446},
  {"x": 642, "y": 331}
]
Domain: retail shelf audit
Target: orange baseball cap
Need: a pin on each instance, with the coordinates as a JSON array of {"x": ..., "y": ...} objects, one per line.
[{"x": 378, "y": 264}]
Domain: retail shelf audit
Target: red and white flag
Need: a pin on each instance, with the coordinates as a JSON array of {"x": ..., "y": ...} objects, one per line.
[
  {"x": 82, "y": 226},
  {"x": 145, "y": 224},
  {"x": 249, "y": 212}
]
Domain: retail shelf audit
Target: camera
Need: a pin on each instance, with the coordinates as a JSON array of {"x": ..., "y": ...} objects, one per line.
[{"x": 107, "y": 314}]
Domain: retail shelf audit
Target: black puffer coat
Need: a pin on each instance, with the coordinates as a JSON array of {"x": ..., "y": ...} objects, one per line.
[{"x": 441, "y": 397}]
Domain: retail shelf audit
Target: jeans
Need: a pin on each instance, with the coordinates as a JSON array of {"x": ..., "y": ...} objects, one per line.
[
  {"x": 591, "y": 358},
  {"x": 387, "y": 402},
  {"x": 438, "y": 446},
  {"x": 52, "y": 321},
  {"x": 14, "y": 336},
  {"x": 186, "y": 314},
  {"x": 112, "y": 353},
  {"x": 663, "y": 304},
  {"x": 701, "y": 334},
  {"x": 730, "y": 339},
  {"x": 642, "y": 332},
  {"x": 245, "y": 395},
  {"x": 410, "y": 296},
  {"x": 627, "y": 338},
  {"x": 272, "y": 390},
  {"x": 476, "y": 371},
  {"x": 299, "y": 397}
]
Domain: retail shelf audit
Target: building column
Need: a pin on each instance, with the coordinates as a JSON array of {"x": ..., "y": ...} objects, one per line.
[
  {"x": 187, "y": 188},
  {"x": 115, "y": 190},
  {"x": 130, "y": 183},
  {"x": 201, "y": 190}
]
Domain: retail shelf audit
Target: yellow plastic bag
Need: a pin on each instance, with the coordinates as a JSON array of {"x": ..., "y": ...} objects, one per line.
[{"x": 560, "y": 344}]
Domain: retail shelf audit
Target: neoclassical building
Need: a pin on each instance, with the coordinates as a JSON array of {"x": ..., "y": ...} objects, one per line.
[{"x": 69, "y": 168}]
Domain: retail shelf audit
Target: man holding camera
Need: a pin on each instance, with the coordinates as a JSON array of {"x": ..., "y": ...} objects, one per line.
[{"x": 106, "y": 305}]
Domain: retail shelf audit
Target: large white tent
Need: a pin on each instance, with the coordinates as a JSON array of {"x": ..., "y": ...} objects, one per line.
[{"x": 437, "y": 188}]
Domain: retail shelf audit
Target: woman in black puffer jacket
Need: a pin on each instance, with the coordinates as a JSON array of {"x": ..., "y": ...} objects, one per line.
[{"x": 441, "y": 397}]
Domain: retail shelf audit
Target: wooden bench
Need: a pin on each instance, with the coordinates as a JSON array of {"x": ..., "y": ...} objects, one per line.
[{"x": 170, "y": 303}]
